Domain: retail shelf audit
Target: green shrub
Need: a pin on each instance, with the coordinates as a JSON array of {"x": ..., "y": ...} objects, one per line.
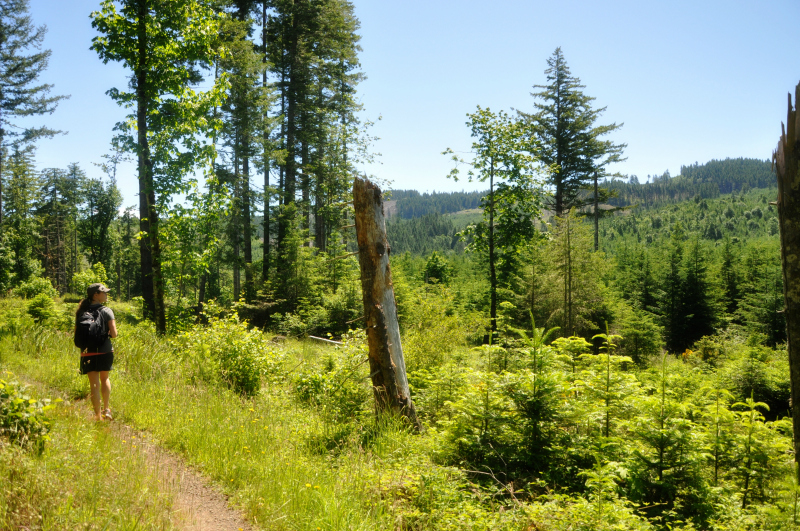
[
  {"x": 42, "y": 308},
  {"x": 81, "y": 281},
  {"x": 35, "y": 286},
  {"x": 340, "y": 386},
  {"x": 23, "y": 420},
  {"x": 227, "y": 352}
]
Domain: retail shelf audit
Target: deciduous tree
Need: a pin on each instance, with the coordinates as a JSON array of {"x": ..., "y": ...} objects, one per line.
[{"x": 164, "y": 44}]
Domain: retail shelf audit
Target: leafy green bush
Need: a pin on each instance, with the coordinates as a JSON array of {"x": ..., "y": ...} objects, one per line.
[
  {"x": 42, "y": 308},
  {"x": 35, "y": 286},
  {"x": 23, "y": 420},
  {"x": 340, "y": 386},
  {"x": 81, "y": 281},
  {"x": 226, "y": 351}
]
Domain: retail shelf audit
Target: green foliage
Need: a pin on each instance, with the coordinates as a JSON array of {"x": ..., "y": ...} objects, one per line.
[
  {"x": 695, "y": 181},
  {"x": 41, "y": 308},
  {"x": 563, "y": 134},
  {"x": 7, "y": 259},
  {"x": 23, "y": 420},
  {"x": 33, "y": 287},
  {"x": 437, "y": 269},
  {"x": 227, "y": 352},
  {"x": 339, "y": 387},
  {"x": 433, "y": 331},
  {"x": 410, "y": 204},
  {"x": 81, "y": 281}
]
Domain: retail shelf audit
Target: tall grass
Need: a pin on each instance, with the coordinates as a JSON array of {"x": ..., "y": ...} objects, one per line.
[
  {"x": 85, "y": 479},
  {"x": 267, "y": 452}
]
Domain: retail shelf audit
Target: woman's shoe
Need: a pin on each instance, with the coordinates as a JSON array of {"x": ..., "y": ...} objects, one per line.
[{"x": 107, "y": 414}]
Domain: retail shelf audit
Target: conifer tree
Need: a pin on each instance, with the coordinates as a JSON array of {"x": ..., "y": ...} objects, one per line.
[
  {"x": 21, "y": 63},
  {"x": 563, "y": 134}
]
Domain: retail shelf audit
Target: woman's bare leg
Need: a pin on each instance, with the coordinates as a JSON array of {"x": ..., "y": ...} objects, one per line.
[
  {"x": 105, "y": 388},
  {"x": 94, "y": 392}
]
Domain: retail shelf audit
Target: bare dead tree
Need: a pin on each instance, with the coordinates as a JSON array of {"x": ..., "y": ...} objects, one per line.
[
  {"x": 785, "y": 163},
  {"x": 387, "y": 367}
]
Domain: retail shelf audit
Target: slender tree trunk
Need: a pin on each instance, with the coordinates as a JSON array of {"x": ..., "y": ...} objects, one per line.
[
  {"x": 387, "y": 367},
  {"x": 236, "y": 229},
  {"x": 492, "y": 269},
  {"x": 150, "y": 251},
  {"x": 786, "y": 161},
  {"x": 265, "y": 263},
  {"x": 248, "y": 232},
  {"x": 596, "y": 216}
]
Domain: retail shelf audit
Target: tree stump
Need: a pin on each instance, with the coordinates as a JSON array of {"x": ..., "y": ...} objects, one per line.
[
  {"x": 785, "y": 163},
  {"x": 387, "y": 367}
]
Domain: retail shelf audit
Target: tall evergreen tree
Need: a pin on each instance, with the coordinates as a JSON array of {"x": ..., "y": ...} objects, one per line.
[
  {"x": 562, "y": 132},
  {"x": 21, "y": 62},
  {"x": 672, "y": 296},
  {"x": 244, "y": 128},
  {"x": 699, "y": 300},
  {"x": 57, "y": 210}
]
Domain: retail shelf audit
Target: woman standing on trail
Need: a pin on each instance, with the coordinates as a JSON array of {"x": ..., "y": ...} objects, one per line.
[{"x": 96, "y": 362}]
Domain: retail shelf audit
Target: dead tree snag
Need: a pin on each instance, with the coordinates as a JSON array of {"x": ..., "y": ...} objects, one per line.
[
  {"x": 785, "y": 162},
  {"x": 387, "y": 368}
]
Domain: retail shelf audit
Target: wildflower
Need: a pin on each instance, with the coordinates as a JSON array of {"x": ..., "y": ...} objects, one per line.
[{"x": 308, "y": 485}]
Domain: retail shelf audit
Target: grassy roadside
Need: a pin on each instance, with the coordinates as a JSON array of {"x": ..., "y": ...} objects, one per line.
[{"x": 85, "y": 479}]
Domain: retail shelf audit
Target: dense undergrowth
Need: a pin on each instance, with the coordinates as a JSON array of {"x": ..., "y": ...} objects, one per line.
[{"x": 526, "y": 436}]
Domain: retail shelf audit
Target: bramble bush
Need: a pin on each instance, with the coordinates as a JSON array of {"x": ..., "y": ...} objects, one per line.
[{"x": 23, "y": 420}]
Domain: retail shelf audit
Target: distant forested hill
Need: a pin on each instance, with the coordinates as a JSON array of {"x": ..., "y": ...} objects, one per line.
[
  {"x": 412, "y": 204},
  {"x": 708, "y": 181}
]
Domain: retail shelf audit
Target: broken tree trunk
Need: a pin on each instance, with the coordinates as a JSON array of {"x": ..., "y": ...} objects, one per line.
[
  {"x": 785, "y": 163},
  {"x": 387, "y": 368}
]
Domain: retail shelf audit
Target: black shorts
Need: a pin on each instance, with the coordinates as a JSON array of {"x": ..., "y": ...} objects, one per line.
[{"x": 97, "y": 362}]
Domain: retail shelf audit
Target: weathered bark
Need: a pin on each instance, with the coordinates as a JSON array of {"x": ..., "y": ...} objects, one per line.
[
  {"x": 387, "y": 367},
  {"x": 785, "y": 162}
]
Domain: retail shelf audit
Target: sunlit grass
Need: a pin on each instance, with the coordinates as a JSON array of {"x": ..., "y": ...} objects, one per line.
[
  {"x": 85, "y": 479},
  {"x": 266, "y": 452}
]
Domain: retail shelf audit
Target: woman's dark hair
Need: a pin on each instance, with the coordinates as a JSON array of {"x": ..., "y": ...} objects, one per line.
[{"x": 82, "y": 307}]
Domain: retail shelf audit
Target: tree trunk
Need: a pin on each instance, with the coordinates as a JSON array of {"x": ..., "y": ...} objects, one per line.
[
  {"x": 492, "y": 268},
  {"x": 387, "y": 367},
  {"x": 249, "y": 283},
  {"x": 787, "y": 167},
  {"x": 146, "y": 189},
  {"x": 265, "y": 261},
  {"x": 596, "y": 216}
]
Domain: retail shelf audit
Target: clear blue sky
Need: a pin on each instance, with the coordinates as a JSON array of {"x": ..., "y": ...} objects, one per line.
[{"x": 691, "y": 80}]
